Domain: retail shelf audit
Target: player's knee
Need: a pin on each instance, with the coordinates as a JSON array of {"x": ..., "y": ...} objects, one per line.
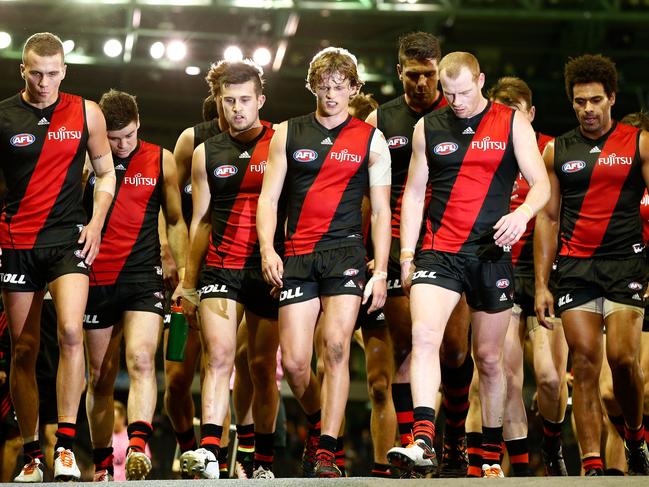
[
  {"x": 452, "y": 357},
  {"x": 336, "y": 353},
  {"x": 489, "y": 362},
  {"x": 549, "y": 385},
  {"x": 262, "y": 370},
  {"x": 424, "y": 337},
  {"x": 70, "y": 337},
  {"x": 140, "y": 362},
  {"x": 379, "y": 388},
  {"x": 624, "y": 364},
  {"x": 297, "y": 369},
  {"x": 23, "y": 355}
]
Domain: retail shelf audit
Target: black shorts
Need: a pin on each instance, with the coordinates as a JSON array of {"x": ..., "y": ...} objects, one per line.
[
  {"x": 245, "y": 286},
  {"x": 47, "y": 365},
  {"x": 106, "y": 304},
  {"x": 394, "y": 269},
  {"x": 328, "y": 272},
  {"x": 488, "y": 285},
  {"x": 524, "y": 292},
  {"x": 645, "y": 323},
  {"x": 31, "y": 269},
  {"x": 372, "y": 321},
  {"x": 579, "y": 281}
]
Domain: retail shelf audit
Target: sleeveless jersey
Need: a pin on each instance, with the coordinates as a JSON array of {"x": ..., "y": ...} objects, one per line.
[
  {"x": 523, "y": 251},
  {"x": 601, "y": 189},
  {"x": 472, "y": 168},
  {"x": 235, "y": 171},
  {"x": 130, "y": 245},
  {"x": 397, "y": 121},
  {"x": 326, "y": 178},
  {"x": 42, "y": 153},
  {"x": 202, "y": 132}
]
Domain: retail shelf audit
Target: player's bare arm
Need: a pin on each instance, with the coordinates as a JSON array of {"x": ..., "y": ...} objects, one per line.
[
  {"x": 271, "y": 190},
  {"x": 380, "y": 179},
  {"x": 510, "y": 228},
  {"x": 172, "y": 211},
  {"x": 546, "y": 233},
  {"x": 101, "y": 160},
  {"x": 412, "y": 207},
  {"x": 199, "y": 233},
  {"x": 183, "y": 153}
]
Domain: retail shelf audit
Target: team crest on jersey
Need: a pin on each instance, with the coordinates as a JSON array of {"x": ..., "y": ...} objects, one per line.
[
  {"x": 305, "y": 155},
  {"x": 397, "y": 141},
  {"x": 445, "y": 148},
  {"x": 225, "y": 171},
  {"x": 502, "y": 283},
  {"x": 22, "y": 140},
  {"x": 573, "y": 166}
]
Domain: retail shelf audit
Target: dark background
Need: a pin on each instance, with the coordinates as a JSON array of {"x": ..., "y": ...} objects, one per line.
[{"x": 528, "y": 38}]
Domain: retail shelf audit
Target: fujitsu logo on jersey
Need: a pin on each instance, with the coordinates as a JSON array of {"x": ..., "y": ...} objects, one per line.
[
  {"x": 261, "y": 167},
  {"x": 305, "y": 155},
  {"x": 139, "y": 180},
  {"x": 225, "y": 171},
  {"x": 573, "y": 166},
  {"x": 487, "y": 144},
  {"x": 22, "y": 140},
  {"x": 346, "y": 156},
  {"x": 445, "y": 148},
  {"x": 645, "y": 200},
  {"x": 64, "y": 134},
  {"x": 615, "y": 160},
  {"x": 397, "y": 141}
]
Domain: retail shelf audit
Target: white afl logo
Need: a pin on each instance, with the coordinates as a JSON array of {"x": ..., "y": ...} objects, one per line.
[
  {"x": 502, "y": 283},
  {"x": 22, "y": 140},
  {"x": 225, "y": 171},
  {"x": 445, "y": 148},
  {"x": 305, "y": 155},
  {"x": 573, "y": 166}
]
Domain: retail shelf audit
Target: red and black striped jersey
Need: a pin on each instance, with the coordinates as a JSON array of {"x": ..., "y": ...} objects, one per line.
[
  {"x": 522, "y": 251},
  {"x": 42, "y": 153},
  {"x": 601, "y": 189},
  {"x": 130, "y": 244},
  {"x": 472, "y": 168},
  {"x": 397, "y": 122},
  {"x": 326, "y": 178},
  {"x": 644, "y": 215},
  {"x": 235, "y": 172}
]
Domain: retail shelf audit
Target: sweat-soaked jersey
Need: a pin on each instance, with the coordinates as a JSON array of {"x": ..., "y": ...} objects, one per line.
[
  {"x": 601, "y": 189},
  {"x": 130, "y": 246},
  {"x": 326, "y": 178},
  {"x": 471, "y": 168},
  {"x": 42, "y": 153}
]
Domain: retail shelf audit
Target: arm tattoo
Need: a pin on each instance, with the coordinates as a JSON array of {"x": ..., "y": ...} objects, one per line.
[{"x": 94, "y": 158}]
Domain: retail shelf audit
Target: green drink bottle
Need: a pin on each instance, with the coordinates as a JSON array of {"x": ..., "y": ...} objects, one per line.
[{"x": 177, "y": 340}]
